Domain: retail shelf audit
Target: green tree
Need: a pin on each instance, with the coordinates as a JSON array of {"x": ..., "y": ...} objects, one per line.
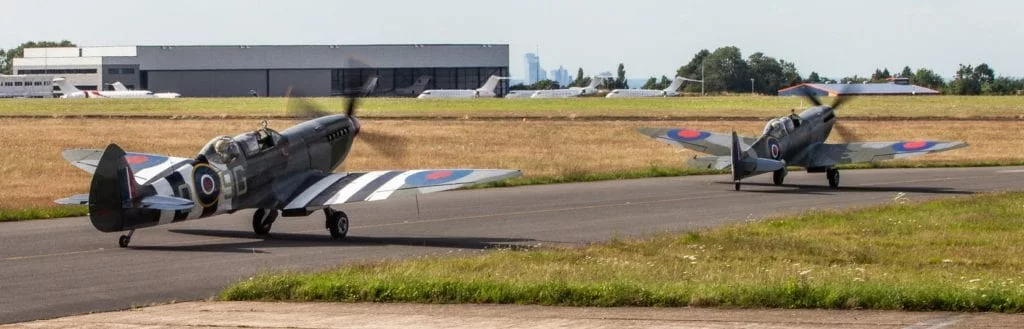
[
  {"x": 620, "y": 78},
  {"x": 8, "y": 65},
  {"x": 579, "y": 79},
  {"x": 907, "y": 73},
  {"x": 984, "y": 74},
  {"x": 929, "y": 79},
  {"x": 726, "y": 71},
  {"x": 966, "y": 81},
  {"x": 1003, "y": 86},
  {"x": 813, "y": 77},
  {"x": 791, "y": 73},
  {"x": 767, "y": 73},
  {"x": 3, "y": 62},
  {"x": 664, "y": 82}
]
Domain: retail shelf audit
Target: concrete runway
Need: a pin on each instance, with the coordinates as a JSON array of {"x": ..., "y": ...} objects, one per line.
[{"x": 51, "y": 268}]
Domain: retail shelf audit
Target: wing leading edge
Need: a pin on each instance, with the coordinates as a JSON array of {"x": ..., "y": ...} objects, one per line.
[
  {"x": 828, "y": 155},
  {"x": 343, "y": 188}
]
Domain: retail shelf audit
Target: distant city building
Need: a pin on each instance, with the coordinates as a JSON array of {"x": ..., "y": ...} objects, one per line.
[
  {"x": 562, "y": 76},
  {"x": 534, "y": 72}
]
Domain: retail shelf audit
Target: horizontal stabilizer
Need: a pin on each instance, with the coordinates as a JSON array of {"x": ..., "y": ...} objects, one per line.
[
  {"x": 712, "y": 162},
  {"x": 77, "y": 199},
  {"x": 164, "y": 202},
  {"x": 746, "y": 163}
]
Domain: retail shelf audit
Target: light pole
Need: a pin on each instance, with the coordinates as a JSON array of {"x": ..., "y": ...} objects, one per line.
[
  {"x": 751, "y": 86},
  {"x": 702, "y": 78}
]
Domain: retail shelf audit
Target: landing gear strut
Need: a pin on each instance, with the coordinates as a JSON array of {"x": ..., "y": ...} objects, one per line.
[
  {"x": 737, "y": 185},
  {"x": 833, "y": 177},
  {"x": 124, "y": 240},
  {"x": 337, "y": 223},
  {"x": 262, "y": 220},
  {"x": 779, "y": 176}
]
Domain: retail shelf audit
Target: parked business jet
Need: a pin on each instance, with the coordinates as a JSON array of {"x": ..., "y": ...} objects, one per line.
[
  {"x": 672, "y": 90},
  {"x": 487, "y": 90},
  {"x": 520, "y": 93},
  {"x": 590, "y": 89},
  {"x": 415, "y": 89},
  {"x": 69, "y": 91}
]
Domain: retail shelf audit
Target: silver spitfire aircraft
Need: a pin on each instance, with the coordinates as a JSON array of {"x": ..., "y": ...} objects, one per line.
[
  {"x": 287, "y": 173},
  {"x": 794, "y": 140}
]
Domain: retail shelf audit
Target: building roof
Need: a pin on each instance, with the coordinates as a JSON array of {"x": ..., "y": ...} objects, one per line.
[{"x": 887, "y": 88}]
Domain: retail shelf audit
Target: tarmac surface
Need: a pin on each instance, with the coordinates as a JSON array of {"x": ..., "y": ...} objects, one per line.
[
  {"x": 365, "y": 315},
  {"x": 52, "y": 268}
]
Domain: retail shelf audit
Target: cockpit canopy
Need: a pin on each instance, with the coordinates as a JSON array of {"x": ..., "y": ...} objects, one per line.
[
  {"x": 778, "y": 127},
  {"x": 224, "y": 149}
]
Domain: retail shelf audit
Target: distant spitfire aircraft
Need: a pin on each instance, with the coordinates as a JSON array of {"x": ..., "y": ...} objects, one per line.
[
  {"x": 70, "y": 91},
  {"x": 287, "y": 173},
  {"x": 795, "y": 140},
  {"x": 671, "y": 91}
]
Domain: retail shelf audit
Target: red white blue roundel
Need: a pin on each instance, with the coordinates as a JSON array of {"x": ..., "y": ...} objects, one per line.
[
  {"x": 913, "y": 146},
  {"x": 139, "y": 161},
  {"x": 207, "y": 184},
  {"x": 687, "y": 135},
  {"x": 435, "y": 177},
  {"x": 774, "y": 151}
]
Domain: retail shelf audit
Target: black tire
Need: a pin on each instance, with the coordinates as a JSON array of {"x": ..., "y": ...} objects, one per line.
[
  {"x": 833, "y": 178},
  {"x": 737, "y": 186},
  {"x": 123, "y": 241},
  {"x": 337, "y": 223},
  {"x": 779, "y": 176},
  {"x": 262, "y": 221}
]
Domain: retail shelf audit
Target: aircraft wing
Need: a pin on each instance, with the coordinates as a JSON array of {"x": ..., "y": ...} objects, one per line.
[
  {"x": 701, "y": 141},
  {"x": 145, "y": 166},
  {"x": 342, "y": 188},
  {"x": 827, "y": 155}
]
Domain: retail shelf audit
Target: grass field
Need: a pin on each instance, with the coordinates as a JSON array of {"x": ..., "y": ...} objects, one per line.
[
  {"x": 718, "y": 106},
  {"x": 952, "y": 255},
  {"x": 34, "y": 173}
]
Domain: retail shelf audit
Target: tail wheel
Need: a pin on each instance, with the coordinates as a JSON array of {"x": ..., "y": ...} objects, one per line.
[
  {"x": 337, "y": 223},
  {"x": 779, "y": 176},
  {"x": 737, "y": 186},
  {"x": 262, "y": 220}
]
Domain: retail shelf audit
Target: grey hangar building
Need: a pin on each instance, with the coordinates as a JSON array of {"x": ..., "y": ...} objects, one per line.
[{"x": 270, "y": 70}]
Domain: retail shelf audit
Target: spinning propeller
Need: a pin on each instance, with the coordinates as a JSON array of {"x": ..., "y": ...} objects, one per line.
[
  {"x": 844, "y": 132},
  {"x": 390, "y": 145}
]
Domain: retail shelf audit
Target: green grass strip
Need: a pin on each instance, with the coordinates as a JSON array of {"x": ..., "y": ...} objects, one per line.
[
  {"x": 9, "y": 215},
  {"x": 958, "y": 254}
]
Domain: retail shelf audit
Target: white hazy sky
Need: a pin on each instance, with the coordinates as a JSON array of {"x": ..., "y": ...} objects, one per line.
[{"x": 834, "y": 38}]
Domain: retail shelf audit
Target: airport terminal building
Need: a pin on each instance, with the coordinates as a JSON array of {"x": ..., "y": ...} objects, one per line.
[{"x": 309, "y": 70}]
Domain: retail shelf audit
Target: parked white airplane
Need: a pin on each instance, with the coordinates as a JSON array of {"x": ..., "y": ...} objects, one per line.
[
  {"x": 487, "y": 90},
  {"x": 69, "y": 91},
  {"x": 590, "y": 89},
  {"x": 672, "y": 90},
  {"x": 118, "y": 86},
  {"x": 520, "y": 93},
  {"x": 415, "y": 89}
]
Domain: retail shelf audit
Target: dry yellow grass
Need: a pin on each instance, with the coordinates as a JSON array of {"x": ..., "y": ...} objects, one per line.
[{"x": 33, "y": 172}]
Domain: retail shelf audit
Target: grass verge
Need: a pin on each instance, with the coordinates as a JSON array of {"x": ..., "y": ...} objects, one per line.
[
  {"x": 42, "y": 212},
  {"x": 953, "y": 255}
]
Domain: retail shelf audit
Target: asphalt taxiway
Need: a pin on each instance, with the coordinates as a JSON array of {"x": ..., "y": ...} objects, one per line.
[{"x": 51, "y": 268}]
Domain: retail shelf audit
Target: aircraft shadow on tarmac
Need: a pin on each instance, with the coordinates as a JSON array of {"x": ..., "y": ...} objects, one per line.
[
  {"x": 299, "y": 240},
  {"x": 825, "y": 190}
]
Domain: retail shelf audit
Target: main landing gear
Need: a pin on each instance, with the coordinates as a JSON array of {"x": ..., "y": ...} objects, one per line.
[
  {"x": 833, "y": 177},
  {"x": 779, "y": 176},
  {"x": 337, "y": 223},
  {"x": 124, "y": 240},
  {"x": 262, "y": 220}
]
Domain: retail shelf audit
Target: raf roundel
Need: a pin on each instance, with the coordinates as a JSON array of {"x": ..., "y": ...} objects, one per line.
[
  {"x": 140, "y": 161},
  {"x": 773, "y": 148},
  {"x": 913, "y": 146},
  {"x": 207, "y": 183},
  {"x": 687, "y": 135},
  {"x": 435, "y": 177}
]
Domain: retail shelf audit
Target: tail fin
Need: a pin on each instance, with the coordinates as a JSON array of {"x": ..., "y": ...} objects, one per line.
[
  {"x": 596, "y": 81},
  {"x": 491, "y": 83},
  {"x": 112, "y": 190},
  {"x": 746, "y": 163},
  {"x": 65, "y": 86},
  {"x": 117, "y": 85},
  {"x": 676, "y": 83},
  {"x": 421, "y": 83}
]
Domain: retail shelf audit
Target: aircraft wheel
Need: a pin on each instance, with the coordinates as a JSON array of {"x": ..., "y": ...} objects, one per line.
[
  {"x": 123, "y": 241},
  {"x": 779, "y": 176},
  {"x": 833, "y": 178},
  {"x": 262, "y": 220},
  {"x": 737, "y": 186},
  {"x": 337, "y": 223}
]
